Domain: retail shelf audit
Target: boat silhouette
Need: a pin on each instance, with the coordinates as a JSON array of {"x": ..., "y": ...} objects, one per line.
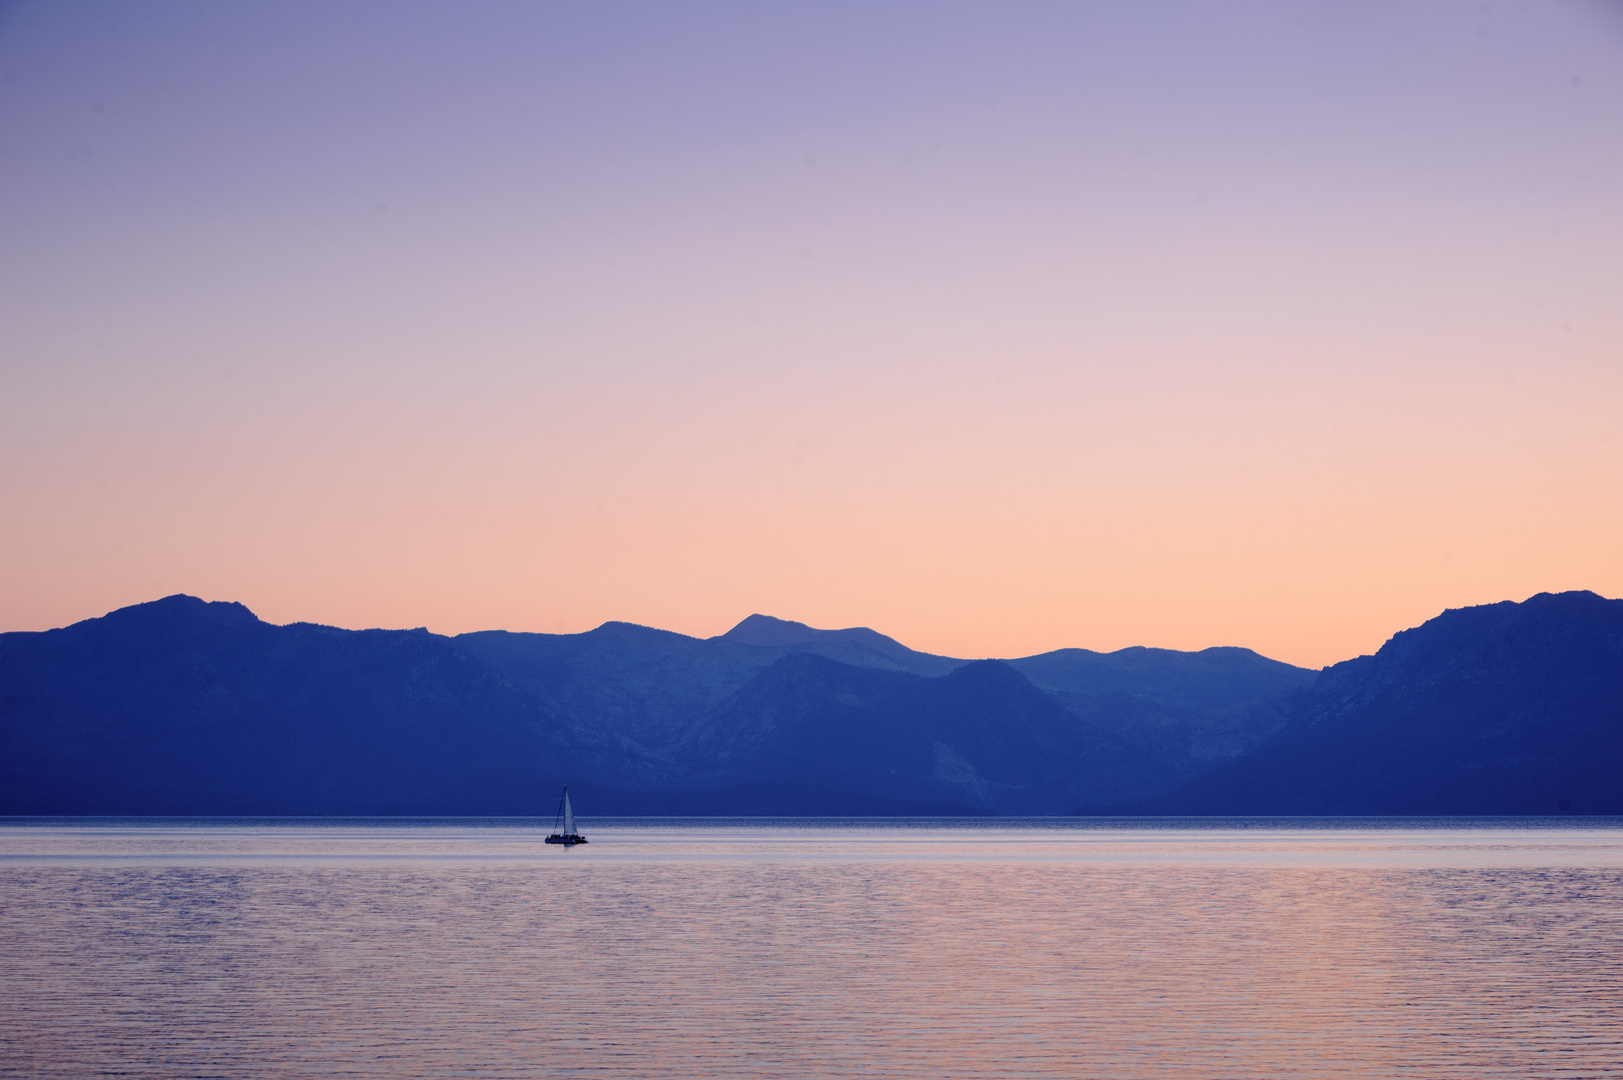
[{"x": 563, "y": 826}]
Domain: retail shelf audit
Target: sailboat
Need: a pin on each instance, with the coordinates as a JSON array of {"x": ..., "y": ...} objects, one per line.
[{"x": 563, "y": 826}]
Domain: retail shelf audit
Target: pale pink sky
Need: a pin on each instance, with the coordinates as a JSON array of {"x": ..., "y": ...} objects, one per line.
[{"x": 999, "y": 329}]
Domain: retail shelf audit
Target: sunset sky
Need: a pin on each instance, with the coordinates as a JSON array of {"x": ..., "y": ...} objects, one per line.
[{"x": 998, "y": 328}]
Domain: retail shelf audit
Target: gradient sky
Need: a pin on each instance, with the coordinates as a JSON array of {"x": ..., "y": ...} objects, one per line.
[{"x": 999, "y": 328}]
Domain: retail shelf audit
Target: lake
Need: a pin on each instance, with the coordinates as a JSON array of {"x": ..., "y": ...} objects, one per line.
[{"x": 920, "y": 948}]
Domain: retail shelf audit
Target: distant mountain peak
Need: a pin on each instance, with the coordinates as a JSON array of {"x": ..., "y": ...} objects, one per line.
[
  {"x": 181, "y": 607},
  {"x": 764, "y": 630}
]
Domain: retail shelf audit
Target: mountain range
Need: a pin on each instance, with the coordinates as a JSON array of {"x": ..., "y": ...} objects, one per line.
[{"x": 181, "y": 706}]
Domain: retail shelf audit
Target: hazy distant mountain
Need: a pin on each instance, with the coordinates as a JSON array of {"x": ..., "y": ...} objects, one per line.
[
  {"x": 1501, "y": 709},
  {"x": 179, "y": 706},
  {"x": 641, "y": 689},
  {"x": 1188, "y": 711},
  {"x": 856, "y": 645},
  {"x": 644, "y": 689},
  {"x": 981, "y": 739}
]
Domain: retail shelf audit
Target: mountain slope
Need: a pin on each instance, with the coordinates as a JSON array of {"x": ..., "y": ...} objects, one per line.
[
  {"x": 1190, "y": 711},
  {"x": 1501, "y": 709},
  {"x": 643, "y": 688},
  {"x": 182, "y": 707},
  {"x": 980, "y": 739},
  {"x": 856, "y": 645}
]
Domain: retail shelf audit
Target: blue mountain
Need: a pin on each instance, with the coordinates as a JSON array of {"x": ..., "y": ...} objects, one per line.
[
  {"x": 1500, "y": 709},
  {"x": 186, "y": 707}
]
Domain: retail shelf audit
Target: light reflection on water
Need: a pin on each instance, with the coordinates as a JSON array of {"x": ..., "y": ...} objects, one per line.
[{"x": 794, "y": 949}]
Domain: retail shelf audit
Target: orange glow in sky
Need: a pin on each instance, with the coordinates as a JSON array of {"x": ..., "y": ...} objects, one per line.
[{"x": 1285, "y": 326}]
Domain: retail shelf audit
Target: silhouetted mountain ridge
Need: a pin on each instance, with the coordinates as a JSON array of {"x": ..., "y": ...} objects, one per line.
[
  {"x": 182, "y": 706},
  {"x": 1189, "y": 710},
  {"x": 981, "y": 738},
  {"x": 186, "y": 707},
  {"x": 764, "y": 630},
  {"x": 1500, "y": 709}
]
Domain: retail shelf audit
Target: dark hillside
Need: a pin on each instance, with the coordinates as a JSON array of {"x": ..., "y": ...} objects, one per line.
[
  {"x": 981, "y": 738},
  {"x": 847, "y": 646},
  {"x": 1190, "y": 711},
  {"x": 1501, "y": 709},
  {"x": 184, "y": 707}
]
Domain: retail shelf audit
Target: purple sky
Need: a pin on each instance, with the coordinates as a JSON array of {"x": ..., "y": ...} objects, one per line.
[{"x": 997, "y": 327}]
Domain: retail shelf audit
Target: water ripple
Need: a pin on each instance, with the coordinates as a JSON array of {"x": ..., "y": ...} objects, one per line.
[{"x": 735, "y": 951}]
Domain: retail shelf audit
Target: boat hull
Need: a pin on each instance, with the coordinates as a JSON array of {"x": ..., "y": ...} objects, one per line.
[{"x": 568, "y": 840}]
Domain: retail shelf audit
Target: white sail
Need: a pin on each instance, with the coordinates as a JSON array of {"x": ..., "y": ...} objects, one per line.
[{"x": 569, "y": 816}]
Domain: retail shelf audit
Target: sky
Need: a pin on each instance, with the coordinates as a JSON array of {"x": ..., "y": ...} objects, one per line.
[{"x": 999, "y": 328}]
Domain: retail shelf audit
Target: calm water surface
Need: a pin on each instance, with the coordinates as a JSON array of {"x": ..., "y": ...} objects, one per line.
[{"x": 830, "y": 949}]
